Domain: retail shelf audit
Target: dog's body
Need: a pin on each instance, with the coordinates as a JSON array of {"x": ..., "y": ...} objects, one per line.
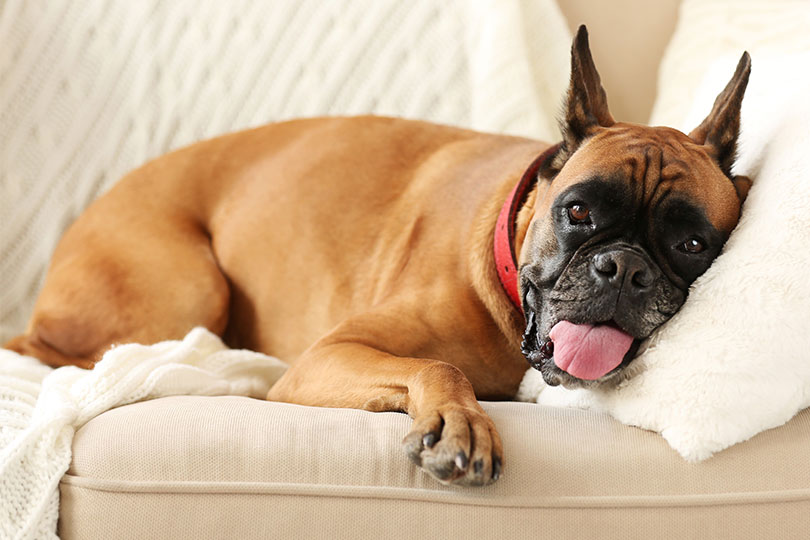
[
  {"x": 360, "y": 252},
  {"x": 241, "y": 235}
]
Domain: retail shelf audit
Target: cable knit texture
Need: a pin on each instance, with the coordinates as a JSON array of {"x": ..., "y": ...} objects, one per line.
[
  {"x": 40, "y": 409},
  {"x": 92, "y": 89}
]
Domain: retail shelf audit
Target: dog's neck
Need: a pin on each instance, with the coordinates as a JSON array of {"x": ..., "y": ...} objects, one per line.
[
  {"x": 525, "y": 215},
  {"x": 512, "y": 226}
]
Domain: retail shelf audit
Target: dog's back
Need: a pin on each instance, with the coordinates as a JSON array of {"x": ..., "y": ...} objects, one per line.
[{"x": 273, "y": 236}]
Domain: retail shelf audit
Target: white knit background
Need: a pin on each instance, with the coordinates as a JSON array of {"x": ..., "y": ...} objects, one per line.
[{"x": 90, "y": 89}]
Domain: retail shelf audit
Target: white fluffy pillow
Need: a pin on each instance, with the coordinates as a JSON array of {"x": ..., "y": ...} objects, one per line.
[
  {"x": 736, "y": 359},
  {"x": 710, "y": 29}
]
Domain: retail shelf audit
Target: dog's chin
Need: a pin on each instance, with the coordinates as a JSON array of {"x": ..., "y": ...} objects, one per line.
[{"x": 539, "y": 353}]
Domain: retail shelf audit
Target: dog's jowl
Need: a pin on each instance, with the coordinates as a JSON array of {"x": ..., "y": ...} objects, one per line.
[{"x": 404, "y": 266}]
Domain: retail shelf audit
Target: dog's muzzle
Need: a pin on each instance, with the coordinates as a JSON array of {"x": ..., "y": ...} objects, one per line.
[{"x": 595, "y": 316}]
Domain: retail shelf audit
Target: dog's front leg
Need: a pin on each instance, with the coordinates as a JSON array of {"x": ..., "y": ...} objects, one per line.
[{"x": 452, "y": 437}]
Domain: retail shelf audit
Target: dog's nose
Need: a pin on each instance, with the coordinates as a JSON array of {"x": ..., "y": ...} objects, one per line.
[{"x": 623, "y": 267}]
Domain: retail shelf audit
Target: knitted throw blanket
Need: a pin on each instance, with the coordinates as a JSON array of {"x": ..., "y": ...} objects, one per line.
[
  {"x": 41, "y": 408},
  {"x": 91, "y": 90}
]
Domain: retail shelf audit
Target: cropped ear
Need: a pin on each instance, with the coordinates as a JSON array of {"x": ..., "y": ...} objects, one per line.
[
  {"x": 718, "y": 133},
  {"x": 585, "y": 107}
]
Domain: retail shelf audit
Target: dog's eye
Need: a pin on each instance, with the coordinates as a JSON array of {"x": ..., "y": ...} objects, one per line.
[
  {"x": 579, "y": 213},
  {"x": 693, "y": 245}
]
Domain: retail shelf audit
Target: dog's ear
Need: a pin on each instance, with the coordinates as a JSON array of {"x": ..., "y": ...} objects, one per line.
[
  {"x": 741, "y": 184},
  {"x": 585, "y": 107},
  {"x": 718, "y": 133}
]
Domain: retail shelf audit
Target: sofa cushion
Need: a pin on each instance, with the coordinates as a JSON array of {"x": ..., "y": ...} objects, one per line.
[{"x": 229, "y": 467}]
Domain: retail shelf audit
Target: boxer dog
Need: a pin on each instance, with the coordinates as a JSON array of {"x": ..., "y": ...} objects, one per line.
[{"x": 365, "y": 253}]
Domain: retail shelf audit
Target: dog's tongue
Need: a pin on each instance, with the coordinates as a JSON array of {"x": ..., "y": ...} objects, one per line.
[{"x": 587, "y": 351}]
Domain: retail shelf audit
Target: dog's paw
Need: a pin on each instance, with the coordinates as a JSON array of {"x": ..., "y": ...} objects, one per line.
[{"x": 456, "y": 445}]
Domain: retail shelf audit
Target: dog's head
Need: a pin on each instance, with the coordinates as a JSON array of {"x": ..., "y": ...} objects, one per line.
[{"x": 625, "y": 218}]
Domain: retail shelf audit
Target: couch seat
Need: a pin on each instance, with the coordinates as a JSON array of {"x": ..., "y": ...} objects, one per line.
[{"x": 231, "y": 467}]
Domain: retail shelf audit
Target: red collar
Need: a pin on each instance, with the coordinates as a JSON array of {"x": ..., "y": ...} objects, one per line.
[{"x": 504, "y": 246}]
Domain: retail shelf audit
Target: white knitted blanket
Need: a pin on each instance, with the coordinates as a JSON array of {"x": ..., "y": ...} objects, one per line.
[
  {"x": 90, "y": 89},
  {"x": 41, "y": 408}
]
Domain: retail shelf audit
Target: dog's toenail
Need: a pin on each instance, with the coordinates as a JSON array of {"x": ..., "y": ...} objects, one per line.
[
  {"x": 478, "y": 466},
  {"x": 429, "y": 440},
  {"x": 496, "y": 468},
  {"x": 461, "y": 460}
]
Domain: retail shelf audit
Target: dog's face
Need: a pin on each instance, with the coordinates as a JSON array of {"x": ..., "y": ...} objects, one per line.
[{"x": 626, "y": 217}]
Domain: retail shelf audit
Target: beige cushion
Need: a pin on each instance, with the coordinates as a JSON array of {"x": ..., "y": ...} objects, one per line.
[
  {"x": 628, "y": 38},
  {"x": 192, "y": 467}
]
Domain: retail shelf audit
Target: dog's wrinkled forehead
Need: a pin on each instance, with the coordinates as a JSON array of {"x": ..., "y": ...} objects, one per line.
[{"x": 655, "y": 163}]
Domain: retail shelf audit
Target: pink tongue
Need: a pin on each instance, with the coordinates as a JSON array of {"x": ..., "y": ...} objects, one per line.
[{"x": 587, "y": 351}]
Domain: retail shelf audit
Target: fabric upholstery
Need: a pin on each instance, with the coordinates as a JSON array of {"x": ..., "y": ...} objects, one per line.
[
  {"x": 229, "y": 467},
  {"x": 41, "y": 408},
  {"x": 627, "y": 40},
  {"x": 92, "y": 89}
]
